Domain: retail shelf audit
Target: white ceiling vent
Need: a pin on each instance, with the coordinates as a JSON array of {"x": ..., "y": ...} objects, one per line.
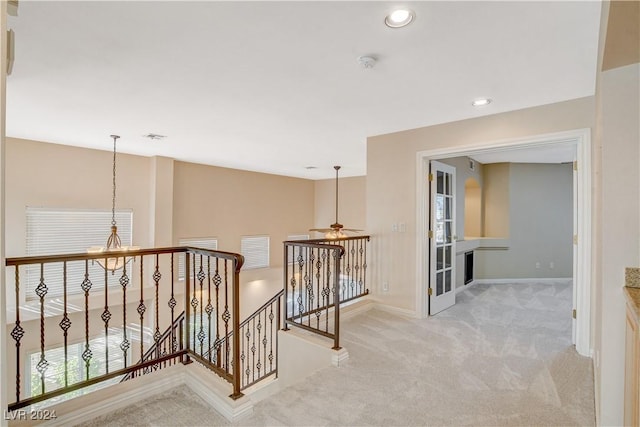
[{"x": 155, "y": 136}]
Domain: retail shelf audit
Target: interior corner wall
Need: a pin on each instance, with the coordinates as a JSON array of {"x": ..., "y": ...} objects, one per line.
[
  {"x": 352, "y": 202},
  {"x": 619, "y": 143},
  {"x": 540, "y": 219},
  {"x": 391, "y": 165},
  {"x": 227, "y": 204},
  {"x": 495, "y": 205}
]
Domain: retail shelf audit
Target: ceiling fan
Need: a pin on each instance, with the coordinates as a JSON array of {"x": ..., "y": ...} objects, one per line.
[{"x": 335, "y": 230}]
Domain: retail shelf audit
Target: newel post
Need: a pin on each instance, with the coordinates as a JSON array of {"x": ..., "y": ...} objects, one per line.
[
  {"x": 337, "y": 254},
  {"x": 187, "y": 305},
  {"x": 237, "y": 369}
]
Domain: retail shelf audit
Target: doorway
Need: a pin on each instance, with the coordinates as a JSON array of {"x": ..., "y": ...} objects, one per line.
[{"x": 579, "y": 142}]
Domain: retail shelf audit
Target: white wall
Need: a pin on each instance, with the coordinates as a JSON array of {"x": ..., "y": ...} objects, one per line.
[
  {"x": 3, "y": 98},
  {"x": 620, "y": 231}
]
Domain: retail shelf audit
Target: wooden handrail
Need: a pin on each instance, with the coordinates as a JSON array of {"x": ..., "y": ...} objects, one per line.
[{"x": 38, "y": 259}]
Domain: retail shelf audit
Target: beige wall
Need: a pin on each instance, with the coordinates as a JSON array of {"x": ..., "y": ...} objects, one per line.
[
  {"x": 352, "y": 202},
  {"x": 169, "y": 200},
  {"x": 473, "y": 216},
  {"x": 391, "y": 165},
  {"x": 496, "y": 200},
  {"x": 59, "y": 176},
  {"x": 228, "y": 204}
]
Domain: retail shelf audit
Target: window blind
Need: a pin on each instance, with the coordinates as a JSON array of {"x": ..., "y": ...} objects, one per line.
[
  {"x": 64, "y": 231},
  {"x": 255, "y": 250},
  {"x": 199, "y": 242}
]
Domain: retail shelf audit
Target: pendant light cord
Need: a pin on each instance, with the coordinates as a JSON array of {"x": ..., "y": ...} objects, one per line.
[
  {"x": 113, "y": 200},
  {"x": 337, "y": 168}
]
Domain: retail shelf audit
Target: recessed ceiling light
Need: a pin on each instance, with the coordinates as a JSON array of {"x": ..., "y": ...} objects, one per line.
[
  {"x": 311, "y": 167},
  {"x": 399, "y": 18},
  {"x": 481, "y": 102}
]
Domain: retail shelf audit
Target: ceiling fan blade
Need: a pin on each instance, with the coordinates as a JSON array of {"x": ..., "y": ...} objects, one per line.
[
  {"x": 321, "y": 230},
  {"x": 352, "y": 229}
]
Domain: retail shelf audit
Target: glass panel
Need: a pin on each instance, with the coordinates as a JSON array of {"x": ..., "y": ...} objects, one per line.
[
  {"x": 439, "y": 284},
  {"x": 440, "y": 201},
  {"x": 447, "y": 256},
  {"x": 439, "y": 258},
  {"x": 447, "y": 232},
  {"x": 447, "y": 183},
  {"x": 439, "y": 232},
  {"x": 447, "y": 208},
  {"x": 447, "y": 281},
  {"x": 440, "y": 182}
]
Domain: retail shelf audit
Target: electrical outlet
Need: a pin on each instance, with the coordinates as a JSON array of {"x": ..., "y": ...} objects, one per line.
[
  {"x": 537, "y": 265},
  {"x": 394, "y": 228},
  {"x": 385, "y": 286},
  {"x": 552, "y": 265}
]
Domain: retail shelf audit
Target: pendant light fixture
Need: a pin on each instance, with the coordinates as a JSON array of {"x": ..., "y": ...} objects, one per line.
[
  {"x": 335, "y": 230},
  {"x": 113, "y": 242}
]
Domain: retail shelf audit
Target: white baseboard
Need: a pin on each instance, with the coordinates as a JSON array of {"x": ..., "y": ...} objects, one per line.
[
  {"x": 395, "y": 310},
  {"x": 339, "y": 356},
  {"x": 465, "y": 287},
  {"x": 542, "y": 280}
]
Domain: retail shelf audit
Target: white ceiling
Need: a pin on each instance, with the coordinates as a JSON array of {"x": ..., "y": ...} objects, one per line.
[{"x": 275, "y": 86}]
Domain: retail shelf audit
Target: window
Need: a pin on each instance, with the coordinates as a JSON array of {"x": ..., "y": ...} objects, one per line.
[
  {"x": 63, "y": 231},
  {"x": 76, "y": 369},
  {"x": 255, "y": 250},
  {"x": 201, "y": 242}
]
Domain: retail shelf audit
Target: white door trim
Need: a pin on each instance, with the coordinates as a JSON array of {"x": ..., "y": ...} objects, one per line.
[{"x": 583, "y": 288}]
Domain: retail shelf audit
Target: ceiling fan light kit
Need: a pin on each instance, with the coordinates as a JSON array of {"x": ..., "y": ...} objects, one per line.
[{"x": 335, "y": 230}]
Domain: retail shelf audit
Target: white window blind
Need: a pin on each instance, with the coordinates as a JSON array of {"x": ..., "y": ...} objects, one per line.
[
  {"x": 255, "y": 250},
  {"x": 295, "y": 237},
  {"x": 64, "y": 231},
  {"x": 199, "y": 242}
]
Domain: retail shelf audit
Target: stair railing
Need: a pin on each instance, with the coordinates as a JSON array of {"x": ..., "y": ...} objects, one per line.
[{"x": 75, "y": 324}]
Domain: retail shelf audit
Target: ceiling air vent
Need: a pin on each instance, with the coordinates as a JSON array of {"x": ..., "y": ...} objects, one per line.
[{"x": 155, "y": 136}]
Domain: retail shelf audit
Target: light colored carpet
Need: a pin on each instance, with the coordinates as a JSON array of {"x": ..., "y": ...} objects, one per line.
[{"x": 501, "y": 356}]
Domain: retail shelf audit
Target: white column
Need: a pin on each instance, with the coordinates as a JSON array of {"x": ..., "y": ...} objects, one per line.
[{"x": 161, "y": 204}]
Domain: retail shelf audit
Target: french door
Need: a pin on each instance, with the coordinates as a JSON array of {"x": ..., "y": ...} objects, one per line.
[{"x": 442, "y": 237}]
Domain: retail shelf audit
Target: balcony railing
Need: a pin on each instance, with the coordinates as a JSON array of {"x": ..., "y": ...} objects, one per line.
[
  {"x": 319, "y": 275},
  {"x": 143, "y": 312}
]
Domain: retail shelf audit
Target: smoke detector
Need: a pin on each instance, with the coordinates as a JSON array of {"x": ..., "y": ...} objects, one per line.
[{"x": 366, "y": 62}]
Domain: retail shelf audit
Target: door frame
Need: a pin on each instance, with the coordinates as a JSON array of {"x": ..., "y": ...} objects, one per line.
[{"x": 583, "y": 286}]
